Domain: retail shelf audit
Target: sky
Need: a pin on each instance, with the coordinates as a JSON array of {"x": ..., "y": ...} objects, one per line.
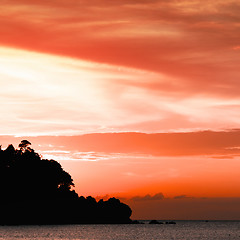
[{"x": 136, "y": 99}]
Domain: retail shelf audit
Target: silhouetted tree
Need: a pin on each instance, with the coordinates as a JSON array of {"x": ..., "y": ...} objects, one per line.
[
  {"x": 24, "y": 145},
  {"x": 35, "y": 190}
]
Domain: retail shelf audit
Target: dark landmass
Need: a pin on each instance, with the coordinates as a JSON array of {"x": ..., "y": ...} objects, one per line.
[
  {"x": 38, "y": 191},
  {"x": 137, "y": 222},
  {"x": 171, "y": 222},
  {"x": 155, "y": 222}
]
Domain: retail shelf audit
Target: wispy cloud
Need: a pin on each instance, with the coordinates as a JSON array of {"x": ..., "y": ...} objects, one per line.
[
  {"x": 45, "y": 94},
  {"x": 148, "y": 197},
  {"x": 183, "y": 39},
  {"x": 168, "y": 66},
  {"x": 49, "y": 95},
  {"x": 182, "y": 197},
  {"x": 134, "y": 164}
]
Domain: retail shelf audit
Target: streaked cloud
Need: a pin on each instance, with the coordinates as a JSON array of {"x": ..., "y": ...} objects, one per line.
[
  {"x": 166, "y": 65},
  {"x": 44, "y": 94},
  {"x": 148, "y": 197},
  {"x": 50, "y": 95},
  {"x": 182, "y": 197}
]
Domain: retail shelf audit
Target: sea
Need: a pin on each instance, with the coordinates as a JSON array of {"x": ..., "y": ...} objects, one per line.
[{"x": 181, "y": 230}]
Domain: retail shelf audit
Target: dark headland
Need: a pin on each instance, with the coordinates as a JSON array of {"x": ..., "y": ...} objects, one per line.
[{"x": 38, "y": 191}]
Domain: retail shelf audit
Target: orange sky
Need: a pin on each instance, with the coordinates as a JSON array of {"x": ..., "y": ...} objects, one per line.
[{"x": 81, "y": 70}]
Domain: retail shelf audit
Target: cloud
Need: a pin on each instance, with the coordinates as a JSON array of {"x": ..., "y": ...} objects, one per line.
[
  {"x": 182, "y": 197},
  {"x": 179, "y": 39},
  {"x": 173, "y": 162},
  {"x": 158, "y": 196},
  {"x": 165, "y": 61},
  {"x": 158, "y": 144},
  {"x": 222, "y": 144},
  {"x": 236, "y": 48},
  {"x": 45, "y": 94}
]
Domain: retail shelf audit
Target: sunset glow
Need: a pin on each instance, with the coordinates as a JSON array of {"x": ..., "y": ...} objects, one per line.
[{"x": 135, "y": 99}]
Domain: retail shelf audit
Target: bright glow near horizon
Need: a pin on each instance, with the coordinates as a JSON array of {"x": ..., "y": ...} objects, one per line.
[{"x": 44, "y": 94}]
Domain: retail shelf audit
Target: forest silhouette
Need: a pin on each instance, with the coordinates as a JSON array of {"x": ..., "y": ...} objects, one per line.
[{"x": 38, "y": 191}]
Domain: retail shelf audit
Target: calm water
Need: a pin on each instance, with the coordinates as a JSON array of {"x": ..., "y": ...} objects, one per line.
[{"x": 182, "y": 230}]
